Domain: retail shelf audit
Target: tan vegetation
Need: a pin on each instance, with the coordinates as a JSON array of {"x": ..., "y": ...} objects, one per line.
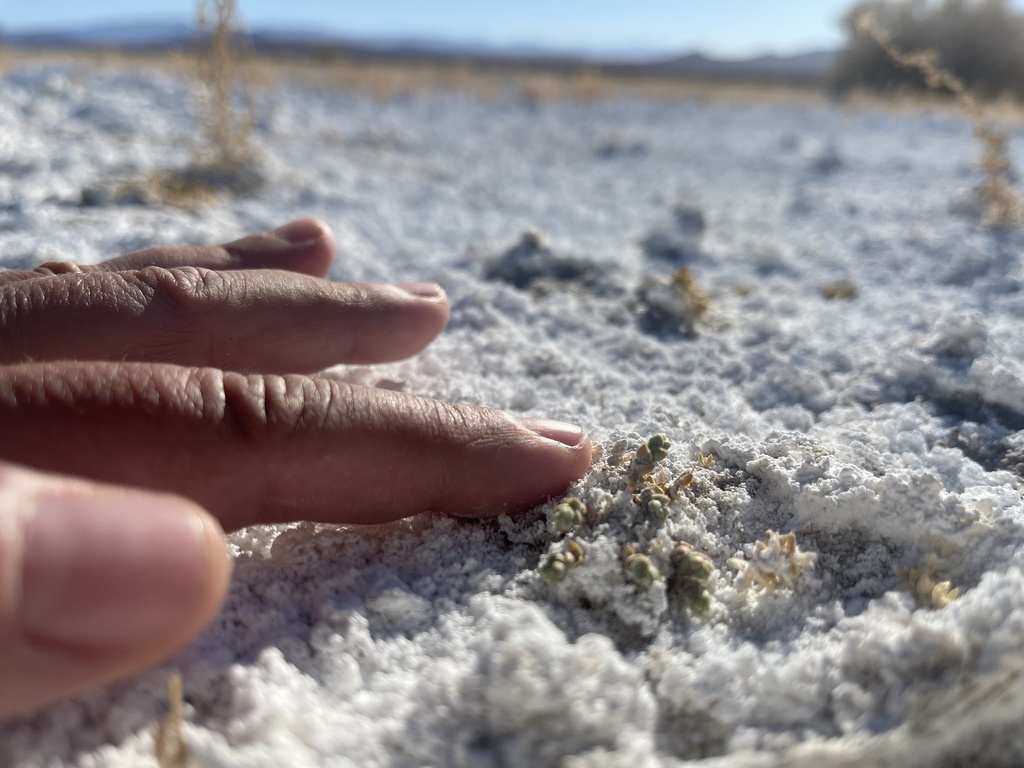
[
  {"x": 384, "y": 79},
  {"x": 980, "y": 42},
  {"x": 224, "y": 124},
  {"x": 1002, "y": 204},
  {"x": 169, "y": 742},
  {"x": 226, "y": 159}
]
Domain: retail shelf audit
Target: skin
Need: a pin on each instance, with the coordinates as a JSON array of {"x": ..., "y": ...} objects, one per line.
[{"x": 156, "y": 400}]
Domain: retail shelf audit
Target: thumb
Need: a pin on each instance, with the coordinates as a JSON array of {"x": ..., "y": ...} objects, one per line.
[{"x": 96, "y": 583}]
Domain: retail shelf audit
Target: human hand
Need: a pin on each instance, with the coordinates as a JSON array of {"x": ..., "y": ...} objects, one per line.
[{"x": 166, "y": 389}]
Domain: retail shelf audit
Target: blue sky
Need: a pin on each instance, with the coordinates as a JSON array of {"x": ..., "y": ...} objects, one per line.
[
  {"x": 721, "y": 27},
  {"x": 725, "y": 27}
]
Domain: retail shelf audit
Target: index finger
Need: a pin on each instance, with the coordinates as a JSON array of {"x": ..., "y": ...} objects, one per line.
[{"x": 261, "y": 449}]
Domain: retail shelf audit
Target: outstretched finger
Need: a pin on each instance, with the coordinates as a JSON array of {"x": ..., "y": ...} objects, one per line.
[
  {"x": 258, "y": 449},
  {"x": 246, "y": 320},
  {"x": 304, "y": 245}
]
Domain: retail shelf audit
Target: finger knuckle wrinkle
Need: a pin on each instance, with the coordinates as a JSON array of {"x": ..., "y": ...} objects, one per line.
[
  {"x": 264, "y": 407},
  {"x": 181, "y": 291},
  {"x": 245, "y": 409}
]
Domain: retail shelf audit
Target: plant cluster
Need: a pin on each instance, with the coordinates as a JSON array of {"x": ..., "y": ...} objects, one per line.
[
  {"x": 647, "y": 456},
  {"x": 675, "y": 305},
  {"x": 690, "y": 570},
  {"x": 684, "y": 572},
  {"x": 555, "y": 567},
  {"x": 774, "y": 562}
]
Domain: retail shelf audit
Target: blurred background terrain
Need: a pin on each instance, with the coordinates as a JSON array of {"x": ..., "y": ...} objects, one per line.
[{"x": 568, "y": 49}]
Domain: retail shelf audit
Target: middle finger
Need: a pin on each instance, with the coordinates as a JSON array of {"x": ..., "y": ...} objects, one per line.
[{"x": 251, "y": 320}]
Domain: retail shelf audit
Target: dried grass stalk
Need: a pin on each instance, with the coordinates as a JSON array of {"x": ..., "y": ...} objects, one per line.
[
  {"x": 170, "y": 747},
  {"x": 1003, "y": 206},
  {"x": 226, "y": 131}
]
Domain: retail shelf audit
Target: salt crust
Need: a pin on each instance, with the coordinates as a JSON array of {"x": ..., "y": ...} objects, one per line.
[{"x": 880, "y": 430}]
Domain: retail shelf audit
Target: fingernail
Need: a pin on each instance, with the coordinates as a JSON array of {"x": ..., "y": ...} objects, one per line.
[
  {"x": 300, "y": 232},
  {"x": 560, "y": 431},
  {"x": 112, "y": 570},
  {"x": 422, "y": 290}
]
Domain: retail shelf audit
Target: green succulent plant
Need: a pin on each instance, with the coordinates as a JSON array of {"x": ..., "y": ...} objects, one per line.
[
  {"x": 555, "y": 568},
  {"x": 656, "y": 505},
  {"x": 649, "y": 454},
  {"x": 568, "y": 514},
  {"x": 639, "y": 567},
  {"x": 690, "y": 569}
]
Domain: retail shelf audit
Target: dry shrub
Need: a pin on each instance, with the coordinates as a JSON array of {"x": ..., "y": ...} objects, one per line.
[
  {"x": 684, "y": 284},
  {"x": 981, "y": 42},
  {"x": 226, "y": 130},
  {"x": 225, "y": 157},
  {"x": 189, "y": 188},
  {"x": 1002, "y": 205}
]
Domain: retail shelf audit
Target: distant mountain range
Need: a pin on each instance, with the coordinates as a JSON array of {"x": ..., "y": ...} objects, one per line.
[
  {"x": 811, "y": 64},
  {"x": 170, "y": 35}
]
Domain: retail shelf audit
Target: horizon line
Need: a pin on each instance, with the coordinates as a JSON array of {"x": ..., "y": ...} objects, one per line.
[{"x": 632, "y": 52}]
